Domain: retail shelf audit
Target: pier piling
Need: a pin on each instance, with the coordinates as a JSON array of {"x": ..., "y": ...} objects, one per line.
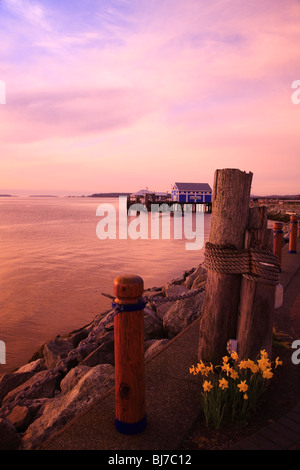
[{"x": 129, "y": 355}]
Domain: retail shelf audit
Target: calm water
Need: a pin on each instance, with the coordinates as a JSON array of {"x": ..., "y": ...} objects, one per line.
[{"x": 53, "y": 268}]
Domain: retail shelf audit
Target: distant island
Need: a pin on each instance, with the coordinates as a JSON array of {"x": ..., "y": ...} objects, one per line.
[
  {"x": 109, "y": 194},
  {"x": 6, "y": 195}
]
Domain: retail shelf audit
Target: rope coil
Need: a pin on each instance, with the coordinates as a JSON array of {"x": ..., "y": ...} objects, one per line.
[{"x": 253, "y": 263}]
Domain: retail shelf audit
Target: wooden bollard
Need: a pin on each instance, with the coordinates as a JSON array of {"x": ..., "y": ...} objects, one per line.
[
  {"x": 257, "y": 300},
  {"x": 129, "y": 355},
  {"x": 277, "y": 236},
  {"x": 293, "y": 234},
  {"x": 218, "y": 324}
]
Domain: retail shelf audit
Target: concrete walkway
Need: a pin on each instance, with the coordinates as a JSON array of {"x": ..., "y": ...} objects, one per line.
[{"x": 172, "y": 395}]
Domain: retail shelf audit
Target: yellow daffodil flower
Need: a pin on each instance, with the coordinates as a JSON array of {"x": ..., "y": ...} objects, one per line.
[
  {"x": 234, "y": 356},
  {"x": 277, "y": 362},
  {"x": 263, "y": 353},
  {"x": 267, "y": 374},
  {"x": 243, "y": 387},
  {"x": 233, "y": 374},
  {"x": 207, "y": 386},
  {"x": 223, "y": 383}
]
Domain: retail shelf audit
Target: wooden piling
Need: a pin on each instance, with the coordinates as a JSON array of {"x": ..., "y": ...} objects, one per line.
[
  {"x": 293, "y": 234},
  {"x": 231, "y": 198},
  {"x": 257, "y": 299},
  {"x": 277, "y": 239},
  {"x": 129, "y": 355}
]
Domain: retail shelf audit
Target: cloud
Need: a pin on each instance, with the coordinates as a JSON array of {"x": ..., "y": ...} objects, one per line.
[
  {"x": 69, "y": 113},
  {"x": 170, "y": 80},
  {"x": 32, "y": 12}
]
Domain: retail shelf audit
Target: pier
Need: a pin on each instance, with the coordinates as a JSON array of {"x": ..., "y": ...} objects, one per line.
[{"x": 149, "y": 200}]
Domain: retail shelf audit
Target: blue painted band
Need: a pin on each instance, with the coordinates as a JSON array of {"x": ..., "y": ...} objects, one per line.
[
  {"x": 129, "y": 307},
  {"x": 131, "y": 428},
  {"x": 292, "y": 251}
]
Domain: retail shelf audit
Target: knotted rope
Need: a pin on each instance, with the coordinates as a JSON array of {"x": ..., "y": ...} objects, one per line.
[{"x": 254, "y": 263}]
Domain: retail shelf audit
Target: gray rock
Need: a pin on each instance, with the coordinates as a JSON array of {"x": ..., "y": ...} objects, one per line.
[
  {"x": 154, "y": 347},
  {"x": 61, "y": 409},
  {"x": 55, "y": 350},
  {"x": 11, "y": 381},
  {"x": 153, "y": 326},
  {"x": 45, "y": 390},
  {"x": 162, "y": 308},
  {"x": 22, "y": 416},
  {"x": 182, "y": 313},
  {"x": 73, "y": 377},
  {"x": 176, "y": 290},
  {"x": 199, "y": 271},
  {"x": 10, "y": 439}
]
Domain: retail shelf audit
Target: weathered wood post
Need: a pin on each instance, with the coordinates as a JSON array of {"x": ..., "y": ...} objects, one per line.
[
  {"x": 278, "y": 237},
  {"x": 293, "y": 234},
  {"x": 231, "y": 198},
  {"x": 257, "y": 300},
  {"x": 129, "y": 355}
]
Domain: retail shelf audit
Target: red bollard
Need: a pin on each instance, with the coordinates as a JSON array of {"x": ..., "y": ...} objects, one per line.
[
  {"x": 293, "y": 234},
  {"x": 129, "y": 355},
  {"x": 278, "y": 235}
]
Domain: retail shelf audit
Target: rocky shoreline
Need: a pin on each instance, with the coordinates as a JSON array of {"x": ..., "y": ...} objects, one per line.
[{"x": 52, "y": 400}]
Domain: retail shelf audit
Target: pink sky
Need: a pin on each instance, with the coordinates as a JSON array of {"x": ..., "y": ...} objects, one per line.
[{"x": 129, "y": 94}]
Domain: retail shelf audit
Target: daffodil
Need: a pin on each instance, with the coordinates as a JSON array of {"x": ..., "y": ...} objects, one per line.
[
  {"x": 267, "y": 374},
  {"x": 243, "y": 364},
  {"x": 225, "y": 359},
  {"x": 226, "y": 367},
  {"x": 234, "y": 356},
  {"x": 243, "y": 387},
  {"x": 277, "y": 362},
  {"x": 263, "y": 364},
  {"x": 192, "y": 370},
  {"x": 207, "y": 386},
  {"x": 263, "y": 353},
  {"x": 245, "y": 396},
  {"x": 233, "y": 374},
  {"x": 223, "y": 383}
]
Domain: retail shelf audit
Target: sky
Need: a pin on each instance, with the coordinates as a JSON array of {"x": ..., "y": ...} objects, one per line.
[{"x": 119, "y": 95}]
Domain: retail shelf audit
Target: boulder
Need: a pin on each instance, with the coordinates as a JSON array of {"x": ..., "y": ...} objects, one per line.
[
  {"x": 154, "y": 346},
  {"x": 162, "y": 308},
  {"x": 182, "y": 313},
  {"x": 57, "y": 412},
  {"x": 11, "y": 381},
  {"x": 198, "y": 272},
  {"x": 10, "y": 439},
  {"x": 44, "y": 390},
  {"x": 73, "y": 377},
  {"x": 176, "y": 290},
  {"x": 153, "y": 326},
  {"x": 22, "y": 416},
  {"x": 55, "y": 350}
]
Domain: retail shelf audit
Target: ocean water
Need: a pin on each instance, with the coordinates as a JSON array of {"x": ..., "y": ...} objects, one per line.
[{"x": 53, "y": 268}]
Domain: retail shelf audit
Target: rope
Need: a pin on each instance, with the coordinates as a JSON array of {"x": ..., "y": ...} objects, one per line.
[{"x": 254, "y": 264}]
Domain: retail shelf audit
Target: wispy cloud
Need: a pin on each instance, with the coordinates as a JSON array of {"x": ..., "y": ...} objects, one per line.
[{"x": 168, "y": 79}]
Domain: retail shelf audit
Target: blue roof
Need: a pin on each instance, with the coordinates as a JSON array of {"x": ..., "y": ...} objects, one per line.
[{"x": 193, "y": 186}]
